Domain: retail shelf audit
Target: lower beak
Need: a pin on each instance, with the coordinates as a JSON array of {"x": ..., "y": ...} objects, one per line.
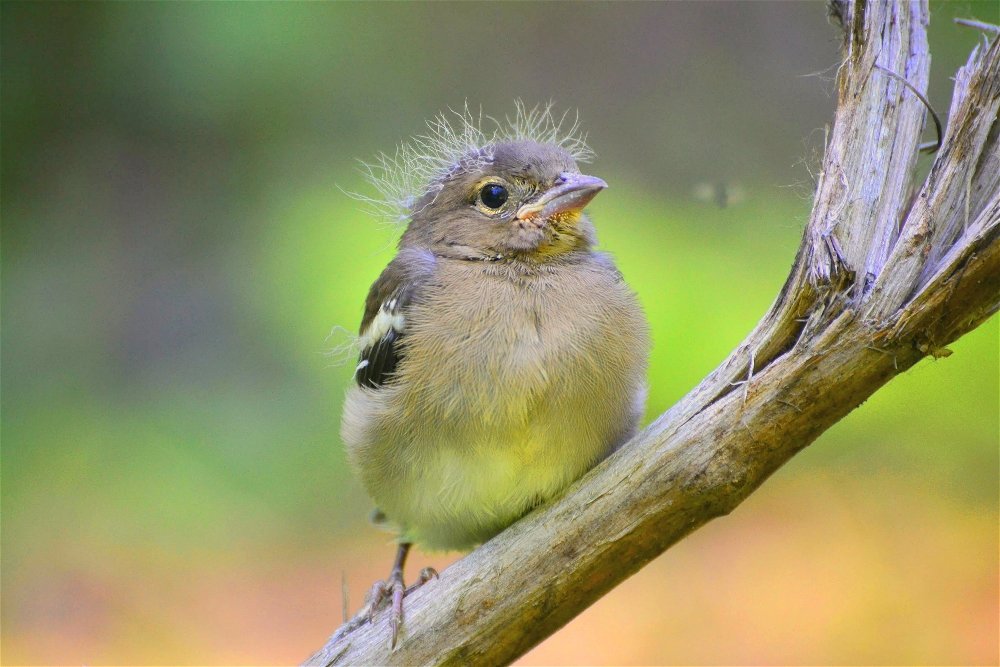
[{"x": 571, "y": 193}]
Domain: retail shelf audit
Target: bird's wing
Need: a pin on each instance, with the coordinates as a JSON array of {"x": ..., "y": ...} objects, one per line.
[{"x": 383, "y": 326}]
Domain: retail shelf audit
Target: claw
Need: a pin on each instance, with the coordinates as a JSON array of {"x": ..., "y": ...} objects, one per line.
[
  {"x": 398, "y": 592},
  {"x": 376, "y": 596},
  {"x": 425, "y": 575},
  {"x": 395, "y": 589}
]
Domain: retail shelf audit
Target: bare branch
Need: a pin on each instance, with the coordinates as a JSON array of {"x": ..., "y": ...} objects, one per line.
[{"x": 883, "y": 278}]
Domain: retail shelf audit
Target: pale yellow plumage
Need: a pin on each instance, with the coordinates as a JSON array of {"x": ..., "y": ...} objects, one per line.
[{"x": 516, "y": 380}]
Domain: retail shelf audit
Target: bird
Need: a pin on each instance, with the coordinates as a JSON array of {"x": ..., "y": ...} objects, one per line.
[{"x": 501, "y": 354}]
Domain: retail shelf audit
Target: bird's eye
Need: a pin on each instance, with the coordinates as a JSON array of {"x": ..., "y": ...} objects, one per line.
[{"x": 493, "y": 195}]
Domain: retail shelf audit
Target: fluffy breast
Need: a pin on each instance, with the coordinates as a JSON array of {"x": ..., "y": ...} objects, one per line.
[{"x": 511, "y": 386}]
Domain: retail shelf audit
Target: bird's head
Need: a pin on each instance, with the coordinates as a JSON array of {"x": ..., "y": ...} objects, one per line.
[
  {"x": 525, "y": 200},
  {"x": 515, "y": 192}
]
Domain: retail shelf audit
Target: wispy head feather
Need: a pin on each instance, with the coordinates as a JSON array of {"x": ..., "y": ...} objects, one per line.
[{"x": 461, "y": 141}]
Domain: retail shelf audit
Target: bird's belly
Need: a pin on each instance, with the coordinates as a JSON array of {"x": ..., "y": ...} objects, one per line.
[
  {"x": 454, "y": 471},
  {"x": 502, "y": 411},
  {"x": 465, "y": 492}
]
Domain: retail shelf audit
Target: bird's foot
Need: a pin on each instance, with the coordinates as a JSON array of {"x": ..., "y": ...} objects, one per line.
[
  {"x": 395, "y": 589},
  {"x": 425, "y": 575}
]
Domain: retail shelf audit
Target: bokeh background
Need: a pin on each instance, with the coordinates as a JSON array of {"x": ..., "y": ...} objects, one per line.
[{"x": 178, "y": 250}]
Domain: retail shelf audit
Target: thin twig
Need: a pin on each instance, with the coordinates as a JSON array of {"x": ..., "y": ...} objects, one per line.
[
  {"x": 924, "y": 148},
  {"x": 344, "y": 606},
  {"x": 978, "y": 25}
]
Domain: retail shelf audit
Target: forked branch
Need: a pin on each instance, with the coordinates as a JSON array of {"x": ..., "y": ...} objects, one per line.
[{"x": 888, "y": 272}]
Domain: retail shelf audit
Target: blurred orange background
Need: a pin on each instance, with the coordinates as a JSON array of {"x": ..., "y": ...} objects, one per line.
[{"x": 177, "y": 247}]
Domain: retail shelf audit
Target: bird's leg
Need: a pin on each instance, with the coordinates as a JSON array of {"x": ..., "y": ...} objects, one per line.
[
  {"x": 398, "y": 589},
  {"x": 385, "y": 590},
  {"x": 395, "y": 589}
]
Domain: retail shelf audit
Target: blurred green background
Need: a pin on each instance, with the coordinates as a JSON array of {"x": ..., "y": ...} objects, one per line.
[{"x": 177, "y": 252}]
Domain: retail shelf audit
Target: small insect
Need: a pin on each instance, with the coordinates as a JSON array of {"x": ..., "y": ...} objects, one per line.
[{"x": 720, "y": 193}]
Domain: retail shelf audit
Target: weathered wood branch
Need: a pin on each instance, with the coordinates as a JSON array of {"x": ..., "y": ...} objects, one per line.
[{"x": 887, "y": 273}]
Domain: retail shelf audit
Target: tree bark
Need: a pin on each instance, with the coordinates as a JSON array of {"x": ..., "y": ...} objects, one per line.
[{"x": 886, "y": 274}]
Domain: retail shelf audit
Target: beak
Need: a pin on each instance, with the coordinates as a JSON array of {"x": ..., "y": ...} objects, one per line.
[{"x": 570, "y": 194}]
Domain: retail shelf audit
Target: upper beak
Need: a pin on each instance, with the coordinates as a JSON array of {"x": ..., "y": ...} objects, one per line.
[{"x": 571, "y": 193}]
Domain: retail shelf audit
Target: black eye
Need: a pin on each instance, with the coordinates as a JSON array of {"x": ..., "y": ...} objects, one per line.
[{"x": 493, "y": 195}]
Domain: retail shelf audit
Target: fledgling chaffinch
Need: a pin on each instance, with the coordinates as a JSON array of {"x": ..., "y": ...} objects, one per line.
[{"x": 502, "y": 356}]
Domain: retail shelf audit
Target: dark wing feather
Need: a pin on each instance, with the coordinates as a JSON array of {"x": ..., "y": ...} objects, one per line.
[
  {"x": 384, "y": 323},
  {"x": 378, "y": 361}
]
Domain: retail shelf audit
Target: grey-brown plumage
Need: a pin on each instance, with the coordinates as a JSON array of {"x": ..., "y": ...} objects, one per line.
[{"x": 502, "y": 356}]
